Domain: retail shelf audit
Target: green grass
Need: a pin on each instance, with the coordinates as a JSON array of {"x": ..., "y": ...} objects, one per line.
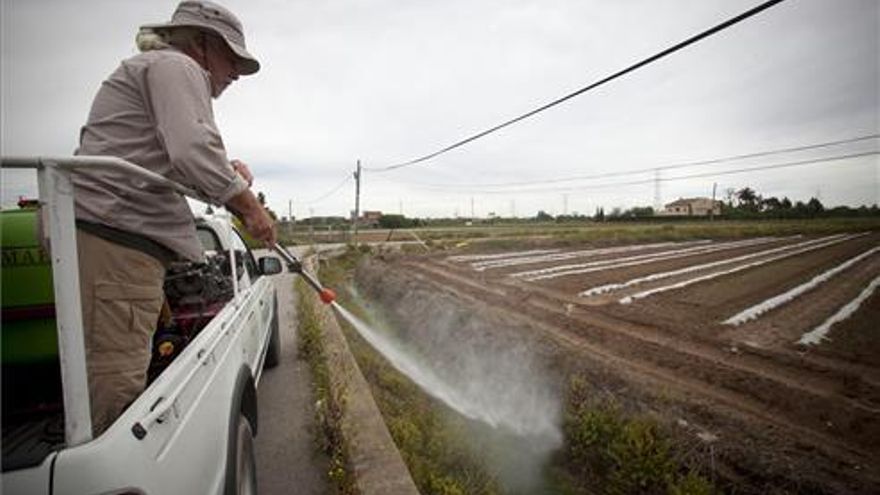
[
  {"x": 623, "y": 232},
  {"x": 504, "y": 235},
  {"x": 330, "y": 400}
]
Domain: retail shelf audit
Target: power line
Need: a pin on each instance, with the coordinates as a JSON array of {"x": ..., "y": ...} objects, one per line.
[
  {"x": 680, "y": 177},
  {"x": 606, "y": 175},
  {"x": 773, "y": 166},
  {"x": 709, "y": 32},
  {"x": 326, "y": 195}
]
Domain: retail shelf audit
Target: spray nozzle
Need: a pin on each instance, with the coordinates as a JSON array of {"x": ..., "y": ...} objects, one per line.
[{"x": 327, "y": 296}]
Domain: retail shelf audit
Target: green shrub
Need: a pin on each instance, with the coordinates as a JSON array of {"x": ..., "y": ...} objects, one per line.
[
  {"x": 610, "y": 452},
  {"x": 691, "y": 484}
]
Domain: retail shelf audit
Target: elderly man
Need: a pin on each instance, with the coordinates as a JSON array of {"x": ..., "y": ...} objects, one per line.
[{"x": 154, "y": 111}]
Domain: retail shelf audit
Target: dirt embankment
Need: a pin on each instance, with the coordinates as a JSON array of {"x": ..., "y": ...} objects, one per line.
[{"x": 760, "y": 421}]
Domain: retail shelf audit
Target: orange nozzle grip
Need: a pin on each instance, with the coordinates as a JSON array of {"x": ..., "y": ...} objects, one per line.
[{"x": 327, "y": 296}]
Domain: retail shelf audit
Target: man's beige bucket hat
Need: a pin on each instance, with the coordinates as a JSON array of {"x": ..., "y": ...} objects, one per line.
[{"x": 209, "y": 16}]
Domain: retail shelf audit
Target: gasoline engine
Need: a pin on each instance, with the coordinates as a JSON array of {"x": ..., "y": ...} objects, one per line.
[{"x": 194, "y": 294}]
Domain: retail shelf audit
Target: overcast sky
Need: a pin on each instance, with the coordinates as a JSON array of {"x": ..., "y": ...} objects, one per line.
[{"x": 387, "y": 81}]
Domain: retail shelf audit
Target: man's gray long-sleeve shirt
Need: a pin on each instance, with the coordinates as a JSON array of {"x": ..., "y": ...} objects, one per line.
[{"x": 154, "y": 111}]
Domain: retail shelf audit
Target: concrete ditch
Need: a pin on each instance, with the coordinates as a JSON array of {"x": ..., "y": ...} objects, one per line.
[{"x": 377, "y": 464}]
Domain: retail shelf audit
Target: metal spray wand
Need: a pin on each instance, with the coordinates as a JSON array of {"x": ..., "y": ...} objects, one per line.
[{"x": 327, "y": 296}]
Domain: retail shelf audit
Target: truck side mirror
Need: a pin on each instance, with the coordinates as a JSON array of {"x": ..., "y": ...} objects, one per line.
[{"x": 269, "y": 265}]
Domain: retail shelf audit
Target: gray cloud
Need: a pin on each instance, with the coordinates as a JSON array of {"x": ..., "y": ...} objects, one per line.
[{"x": 388, "y": 81}]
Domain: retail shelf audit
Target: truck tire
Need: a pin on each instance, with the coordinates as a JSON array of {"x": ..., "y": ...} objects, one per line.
[
  {"x": 245, "y": 461},
  {"x": 273, "y": 353},
  {"x": 243, "y": 424}
]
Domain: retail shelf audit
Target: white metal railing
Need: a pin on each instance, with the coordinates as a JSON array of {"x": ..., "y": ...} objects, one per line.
[{"x": 56, "y": 200}]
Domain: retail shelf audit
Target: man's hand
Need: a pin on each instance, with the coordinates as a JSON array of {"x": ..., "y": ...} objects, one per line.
[
  {"x": 256, "y": 220},
  {"x": 242, "y": 169},
  {"x": 260, "y": 226}
]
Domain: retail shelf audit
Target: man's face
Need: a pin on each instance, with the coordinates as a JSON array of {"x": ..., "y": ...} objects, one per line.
[{"x": 222, "y": 64}]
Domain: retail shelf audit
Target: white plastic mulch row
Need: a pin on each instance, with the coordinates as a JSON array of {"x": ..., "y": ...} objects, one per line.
[
  {"x": 828, "y": 241},
  {"x": 789, "y": 295},
  {"x": 478, "y": 257},
  {"x": 594, "y": 291},
  {"x": 820, "y": 333},
  {"x": 502, "y": 263},
  {"x": 594, "y": 266}
]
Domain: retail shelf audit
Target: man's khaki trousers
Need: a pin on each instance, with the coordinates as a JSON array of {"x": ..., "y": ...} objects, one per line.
[{"x": 121, "y": 298}]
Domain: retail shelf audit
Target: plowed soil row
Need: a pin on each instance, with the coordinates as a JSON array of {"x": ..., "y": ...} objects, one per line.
[
  {"x": 578, "y": 282},
  {"x": 701, "y": 307},
  {"x": 819, "y": 411}
]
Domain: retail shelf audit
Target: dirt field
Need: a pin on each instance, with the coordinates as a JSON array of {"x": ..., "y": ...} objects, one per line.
[{"x": 781, "y": 415}]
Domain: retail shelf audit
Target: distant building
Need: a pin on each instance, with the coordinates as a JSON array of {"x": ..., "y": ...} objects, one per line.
[
  {"x": 370, "y": 218},
  {"x": 692, "y": 207}
]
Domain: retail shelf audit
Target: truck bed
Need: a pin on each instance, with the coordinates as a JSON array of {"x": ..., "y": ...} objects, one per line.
[{"x": 27, "y": 443}]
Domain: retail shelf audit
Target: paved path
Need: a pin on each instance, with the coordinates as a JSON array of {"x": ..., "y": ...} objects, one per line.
[
  {"x": 301, "y": 249},
  {"x": 286, "y": 458}
]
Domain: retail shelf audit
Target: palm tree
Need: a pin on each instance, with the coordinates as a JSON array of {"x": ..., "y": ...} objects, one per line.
[{"x": 748, "y": 199}]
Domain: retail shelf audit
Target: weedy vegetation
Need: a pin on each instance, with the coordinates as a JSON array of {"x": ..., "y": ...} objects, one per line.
[
  {"x": 610, "y": 452},
  {"x": 602, "y": 234},
  {"x": 430, "y": 439},
  {"x": 330, "y": 400}
]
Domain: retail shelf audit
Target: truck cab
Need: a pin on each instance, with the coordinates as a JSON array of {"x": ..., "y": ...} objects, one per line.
[{"x": 192, "y": 428}]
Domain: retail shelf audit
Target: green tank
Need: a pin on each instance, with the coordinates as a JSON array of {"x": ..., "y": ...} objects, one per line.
[{"x": 28, "y": 332}]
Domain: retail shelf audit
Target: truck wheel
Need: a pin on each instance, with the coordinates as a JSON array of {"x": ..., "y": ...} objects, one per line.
[
  {"x": 273, "y": 353},
  {"x": 245, "y": 463}
]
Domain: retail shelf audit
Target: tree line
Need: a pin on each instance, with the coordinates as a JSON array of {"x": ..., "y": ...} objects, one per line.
[
  {"x": 745, "y": 203},
  {"x": 748, "y": 203}
]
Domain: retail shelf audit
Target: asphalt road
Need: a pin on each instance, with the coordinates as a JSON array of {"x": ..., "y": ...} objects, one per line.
[{"x": 287, "y": 461}]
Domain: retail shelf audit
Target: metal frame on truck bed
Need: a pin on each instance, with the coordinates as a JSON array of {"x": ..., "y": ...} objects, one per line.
[{"x": 191, "y": 430}]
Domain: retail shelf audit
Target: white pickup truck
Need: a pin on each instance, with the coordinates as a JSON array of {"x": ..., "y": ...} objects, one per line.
[{"x": 191, "y": 431}]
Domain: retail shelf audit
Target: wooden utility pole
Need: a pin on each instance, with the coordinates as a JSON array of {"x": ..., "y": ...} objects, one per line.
[
  {"x": 658, "y": 198},
  {"x": 312, "y": 227},
  {"x": 712, "y": 210},
  {"x": 357, "y": 201},
  {"x": 289, "y": 226}
]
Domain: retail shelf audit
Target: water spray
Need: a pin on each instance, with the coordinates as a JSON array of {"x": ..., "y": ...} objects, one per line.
[
  {"x": 521, "y": 422},
  {"x": 326, "y": 295}
]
